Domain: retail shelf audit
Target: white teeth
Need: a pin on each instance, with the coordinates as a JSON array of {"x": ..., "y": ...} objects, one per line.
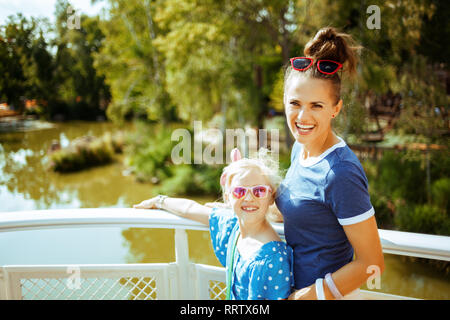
[
  {"x": 304, "y": 127},
  {"x": 249, "y": 208}
]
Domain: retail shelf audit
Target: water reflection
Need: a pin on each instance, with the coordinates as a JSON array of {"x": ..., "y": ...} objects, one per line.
[
  {"x": 25, "y": 181},
  {"x": 150, "y": 245},
  {"x": 158, "y": 245},
  {"x": 410, "y": 277}
]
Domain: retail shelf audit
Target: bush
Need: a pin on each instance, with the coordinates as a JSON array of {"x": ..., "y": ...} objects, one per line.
[
  {"x": 440, "y": 191},
  {"x": 149, "y": 155},
  {"x": 398, "y": 178},
  {"x": 86, "y": 152},
  {"x": 181, "y": 182},
  {"x": 150, "y": 159},
  {"x": 423, "y": 218},
  {"x": 191, "y": 180},
  {"x": 399, "y": 192},
  {"x": 383, "y": 211}
]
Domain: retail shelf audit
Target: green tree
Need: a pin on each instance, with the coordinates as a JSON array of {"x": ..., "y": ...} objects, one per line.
[
  {"x": 16, "y": 59},
  {"x": 131, "y": 63},
  {"x": 206, "y": 56},
  {"x": 79, "y": 84}
]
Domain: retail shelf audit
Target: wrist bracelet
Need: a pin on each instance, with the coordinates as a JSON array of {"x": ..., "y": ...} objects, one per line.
[
  {"x": 319, "y": 289},
  {"x": 160, "y": 202},
  {"x": 330, "y": 283}
]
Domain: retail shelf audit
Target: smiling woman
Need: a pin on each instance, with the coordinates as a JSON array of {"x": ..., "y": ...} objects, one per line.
[{"x": 324, "y": 199}]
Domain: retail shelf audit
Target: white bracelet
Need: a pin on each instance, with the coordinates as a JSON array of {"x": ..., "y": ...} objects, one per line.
[
  {"x": 330, "y": 283},
  {"x": 319, "y": 289},
  {"x": 160, "y": 202}
]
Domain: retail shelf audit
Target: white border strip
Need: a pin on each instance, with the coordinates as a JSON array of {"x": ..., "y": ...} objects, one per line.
[
  {"x": 361, "y": 217},
  {"x": 313, "y": 160}
]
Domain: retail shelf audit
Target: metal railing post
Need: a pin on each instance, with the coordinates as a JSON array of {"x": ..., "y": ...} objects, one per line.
[{"x": 185, "y": 287}]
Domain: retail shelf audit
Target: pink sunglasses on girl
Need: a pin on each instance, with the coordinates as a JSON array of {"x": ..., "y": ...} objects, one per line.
[{"x": 259, "y": 192}]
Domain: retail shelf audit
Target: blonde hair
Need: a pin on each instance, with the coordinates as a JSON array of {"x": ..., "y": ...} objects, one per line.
[{"x": 263, "y": 162}]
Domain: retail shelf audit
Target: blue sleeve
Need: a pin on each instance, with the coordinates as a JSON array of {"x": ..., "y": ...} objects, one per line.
[
  {"x": 346, "y": 192},
  {"x": 221, "y": 223},
  {"x": 271, "y": 279}
]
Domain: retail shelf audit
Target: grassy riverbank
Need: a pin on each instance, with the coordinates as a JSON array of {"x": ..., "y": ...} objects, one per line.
[{"x": 86, "y": 152}]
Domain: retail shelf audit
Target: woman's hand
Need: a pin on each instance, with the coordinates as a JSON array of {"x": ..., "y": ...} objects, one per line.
[
  {"x": 147, "y": 204},
  {"x": 304, "y": 294}
]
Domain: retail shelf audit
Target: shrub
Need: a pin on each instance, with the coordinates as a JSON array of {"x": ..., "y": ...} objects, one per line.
[
  {"x": 150, "y": 159},
  {"x": 399, "y": 192},
  {"x": 383, "y": 211},
  {"x": 398, "y": 178},
  {"x": 440, "y": 191},
  {"x": 149, "y": 156},
  {"x": 85, "y": 152},
  {"x": 423, "y": 218}
]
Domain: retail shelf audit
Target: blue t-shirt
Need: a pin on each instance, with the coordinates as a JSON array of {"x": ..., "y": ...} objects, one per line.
[
  {"x": 267, "y": 274},
  {"x": 317, "y": 197}
]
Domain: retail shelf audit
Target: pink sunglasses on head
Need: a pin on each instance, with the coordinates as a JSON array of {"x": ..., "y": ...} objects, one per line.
[
  {"x": 259, "y": 192},
  {"x": 324, "y": 66}
]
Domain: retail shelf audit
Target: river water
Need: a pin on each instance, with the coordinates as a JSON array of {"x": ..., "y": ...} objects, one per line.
[{"x": 25, "y": 184}]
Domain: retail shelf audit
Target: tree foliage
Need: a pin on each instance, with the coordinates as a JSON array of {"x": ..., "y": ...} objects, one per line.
[
  {"x": 195, "y": 59},
  {"x": 56, "y": 71},
  {"x": 24, "y": 61},
  {"x": 133, "y": 66}
]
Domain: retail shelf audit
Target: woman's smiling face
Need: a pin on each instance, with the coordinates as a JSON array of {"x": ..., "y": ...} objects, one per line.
[{"x": 309, "y": 108}]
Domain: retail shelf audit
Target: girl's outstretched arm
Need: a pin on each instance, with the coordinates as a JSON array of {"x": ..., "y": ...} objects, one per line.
[{"x": 185, "y": 208}]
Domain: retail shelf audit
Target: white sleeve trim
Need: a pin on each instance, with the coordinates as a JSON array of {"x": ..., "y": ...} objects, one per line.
[{"x": 361, "y": 217}]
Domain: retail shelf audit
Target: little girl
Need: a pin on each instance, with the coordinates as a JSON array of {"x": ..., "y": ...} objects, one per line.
[{"x": 257, "y": 262}]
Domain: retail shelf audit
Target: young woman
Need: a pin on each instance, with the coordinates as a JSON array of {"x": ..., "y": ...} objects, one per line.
[
  {"x": 259, "y": 264},
  {"x": 328, "y": 218}
]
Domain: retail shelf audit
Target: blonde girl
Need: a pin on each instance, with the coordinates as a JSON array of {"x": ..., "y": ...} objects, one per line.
[{"x": 258, "y": 263}]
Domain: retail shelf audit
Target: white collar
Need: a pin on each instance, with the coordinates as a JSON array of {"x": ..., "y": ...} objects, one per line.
[{"x": 313, "y": 160}]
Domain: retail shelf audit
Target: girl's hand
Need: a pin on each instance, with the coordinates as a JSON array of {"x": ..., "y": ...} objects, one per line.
[
  {"x": 184, "y": 208},
  {"x": 147, "y": 204}
]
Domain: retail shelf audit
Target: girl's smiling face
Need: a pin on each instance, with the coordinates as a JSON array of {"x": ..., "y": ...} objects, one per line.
[
  {"x": 250, "y": 207},
  {"x": 309, "y": 108}
]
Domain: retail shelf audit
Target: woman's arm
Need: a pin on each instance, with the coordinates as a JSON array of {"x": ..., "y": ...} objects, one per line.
[
  {"x": 365, "y": 240},
  {"x": 181, "y": 207}
]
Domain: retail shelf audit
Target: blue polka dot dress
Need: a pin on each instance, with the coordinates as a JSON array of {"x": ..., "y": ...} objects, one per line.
[{"x": 267, "y": 274}]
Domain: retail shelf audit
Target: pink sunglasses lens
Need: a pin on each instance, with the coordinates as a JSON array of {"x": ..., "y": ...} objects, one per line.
[
  {"x": 239, "y": 192},
  {"x": 260, "y": 192}
]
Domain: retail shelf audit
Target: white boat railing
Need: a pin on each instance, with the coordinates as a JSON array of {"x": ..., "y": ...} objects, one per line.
[{"x": 181, "y": 279}]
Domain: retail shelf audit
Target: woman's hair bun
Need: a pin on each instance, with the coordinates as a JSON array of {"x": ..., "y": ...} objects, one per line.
[{"x": 330, "y": 44}]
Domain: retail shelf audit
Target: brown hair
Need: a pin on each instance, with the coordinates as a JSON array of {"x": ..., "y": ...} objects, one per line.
[{"x": 329, "y": 44}]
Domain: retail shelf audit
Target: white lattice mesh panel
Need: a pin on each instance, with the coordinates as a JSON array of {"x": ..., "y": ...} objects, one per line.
[
  {"x": 126, "y": 288},
  {"x": 217, "y": 290}
]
